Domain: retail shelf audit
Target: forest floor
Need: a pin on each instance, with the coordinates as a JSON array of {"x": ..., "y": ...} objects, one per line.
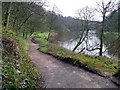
[{"x": 58, "y": 74}]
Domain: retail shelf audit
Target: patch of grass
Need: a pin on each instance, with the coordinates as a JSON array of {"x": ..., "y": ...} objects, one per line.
[
  {"x": 43, "y": 49},
  {"x": 24, "y": 43},
  {"x": 41, "y": 38},
  {"x": 43, "y": 41},
  {"x": 40, "y": 34}
]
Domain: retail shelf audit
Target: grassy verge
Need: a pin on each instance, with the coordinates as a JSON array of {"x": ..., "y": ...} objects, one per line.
[
  {"x": 18, "y": 72},
  {"x": 24, "y": 43},
  {"x": 63, "y": 54}
]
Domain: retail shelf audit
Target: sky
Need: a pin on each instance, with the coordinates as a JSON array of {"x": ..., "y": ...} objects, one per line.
[{"x": 70, "y": 7}]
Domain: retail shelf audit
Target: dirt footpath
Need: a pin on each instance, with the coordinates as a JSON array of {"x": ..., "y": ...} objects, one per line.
[{"x": 58, "y": 74}]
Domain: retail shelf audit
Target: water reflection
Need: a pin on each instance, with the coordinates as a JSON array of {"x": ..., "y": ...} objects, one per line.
[{"x": 91, "y": 42}]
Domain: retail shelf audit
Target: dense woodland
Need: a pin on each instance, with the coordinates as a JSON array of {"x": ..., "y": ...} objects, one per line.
[{"x": 21, "y": 20}]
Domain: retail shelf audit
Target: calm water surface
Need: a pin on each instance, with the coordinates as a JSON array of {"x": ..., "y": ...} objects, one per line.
[{"x": 92, "y": 42}]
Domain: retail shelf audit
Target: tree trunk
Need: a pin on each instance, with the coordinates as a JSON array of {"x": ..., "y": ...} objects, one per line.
[
  {"x": 6, "y": 19},
  {"x": 23, "y": 33},
  {"x": 48, "y": 38},
  {"x": 82, "y": 38},
  {"x": 119, "y": 29},
  {"x": 26, "y": 34},
  {"x": 79, "y": 42},
  {"x": 31, "y": 32},
  {"x": 101, "y": 36}
]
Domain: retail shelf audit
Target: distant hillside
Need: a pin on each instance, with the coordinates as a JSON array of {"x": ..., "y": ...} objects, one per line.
[
  {"x": 70, "y": 24},
  {"x": 112, "y": 21}
]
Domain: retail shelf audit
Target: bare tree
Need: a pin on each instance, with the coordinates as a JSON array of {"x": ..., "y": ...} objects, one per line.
[
  {"x": 104, "y": 8},
  {"x": 119, "y": 26},
  {"x": 85, "y": 15}
]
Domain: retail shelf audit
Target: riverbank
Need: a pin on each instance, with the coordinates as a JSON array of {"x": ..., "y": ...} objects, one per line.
[{"x": 99, "y": 64}]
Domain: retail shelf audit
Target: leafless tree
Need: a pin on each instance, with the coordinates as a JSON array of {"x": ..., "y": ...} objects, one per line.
[
  {"x": 85, "y": 15},
  {"x": 104, "y": 8},
  {"x": 119, "y": 25}
]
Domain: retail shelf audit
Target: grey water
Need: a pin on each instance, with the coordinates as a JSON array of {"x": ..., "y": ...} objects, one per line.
[{"x": 91, "y": 42}]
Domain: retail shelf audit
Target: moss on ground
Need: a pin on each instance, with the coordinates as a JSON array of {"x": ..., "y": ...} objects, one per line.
[{"x": 102, "y": 63}]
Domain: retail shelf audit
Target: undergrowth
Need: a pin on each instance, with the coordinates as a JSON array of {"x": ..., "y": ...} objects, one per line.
[{"x": 18, "y": 72}]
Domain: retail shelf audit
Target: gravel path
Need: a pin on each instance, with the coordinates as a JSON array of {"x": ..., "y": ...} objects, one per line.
[{"x": 58, "y": 74}]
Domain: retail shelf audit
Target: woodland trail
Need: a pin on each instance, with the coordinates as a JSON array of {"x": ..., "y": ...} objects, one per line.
[{"x": 58, "y": 74}]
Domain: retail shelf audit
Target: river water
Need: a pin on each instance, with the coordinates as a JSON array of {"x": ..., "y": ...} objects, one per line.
[{"x": 92, "y": 42}]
